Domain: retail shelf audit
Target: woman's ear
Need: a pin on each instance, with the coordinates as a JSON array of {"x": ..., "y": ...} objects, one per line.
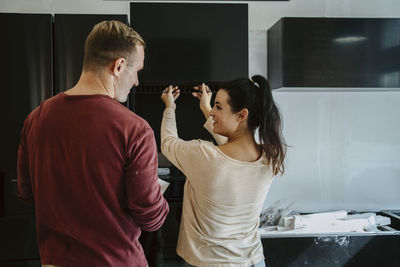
[
  {"x": 117, "y": 66},
  {"x": 243, "y": 114}
]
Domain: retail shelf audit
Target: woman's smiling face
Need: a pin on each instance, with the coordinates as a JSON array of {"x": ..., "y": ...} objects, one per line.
[{"x": 225, "y": 121}]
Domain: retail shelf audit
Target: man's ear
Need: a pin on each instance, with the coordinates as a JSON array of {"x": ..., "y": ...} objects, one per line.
[
  {"x": 243, "y": 114},
  {"x": 117, "y": 66}
]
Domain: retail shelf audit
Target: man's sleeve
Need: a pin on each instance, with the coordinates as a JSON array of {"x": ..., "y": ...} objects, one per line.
[
  {"x": 146, "y": 204},
  {"x": 23, "y": 176}
]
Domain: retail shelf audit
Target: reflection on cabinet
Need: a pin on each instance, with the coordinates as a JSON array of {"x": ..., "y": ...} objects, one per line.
[
  {"x": 334, "y": 52},
  {"x": 38, "y": 55},
  {"x": 70, "y": 32},
  {"x": 26, "y": 80}
]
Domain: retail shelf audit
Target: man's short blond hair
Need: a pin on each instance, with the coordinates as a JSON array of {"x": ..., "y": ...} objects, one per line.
[{"x": 108, "y": 41}]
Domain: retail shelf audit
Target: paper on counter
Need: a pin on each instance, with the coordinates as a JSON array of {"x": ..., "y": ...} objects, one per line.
[
  {"x": 327, "y": 222},
  {"x": 316, "y": 219},
  {"x": 164, "y": 185}
]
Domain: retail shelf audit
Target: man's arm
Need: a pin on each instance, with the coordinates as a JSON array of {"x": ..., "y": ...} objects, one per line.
[
  {"x": 23, "y": 175},
  {"x": 146, "y": 204}
]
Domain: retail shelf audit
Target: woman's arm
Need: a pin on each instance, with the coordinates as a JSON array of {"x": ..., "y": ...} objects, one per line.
[
  {"x": 220, "y": 139},
  {"x": 204, "y": 94},
  {"x": 180, "y": 153}
]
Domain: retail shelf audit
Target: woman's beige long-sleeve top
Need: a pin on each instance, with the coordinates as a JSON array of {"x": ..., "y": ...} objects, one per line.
[{"x": 222, "y": 201}]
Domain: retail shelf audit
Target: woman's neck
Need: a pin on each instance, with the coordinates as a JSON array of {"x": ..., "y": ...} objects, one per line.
[
  {"x": 242, "y": 136},
  {"x": 242, "y": 146}
]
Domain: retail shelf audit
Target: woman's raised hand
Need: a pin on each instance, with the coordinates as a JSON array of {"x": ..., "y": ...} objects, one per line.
[
  {"x": 204, "y": 94},
  {"x": 169, "y": 95}
]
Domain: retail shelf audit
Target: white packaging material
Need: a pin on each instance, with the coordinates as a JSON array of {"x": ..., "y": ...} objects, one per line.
[
  {"x": 301, "y": 221},
  {"x": 377, "y": 220},
  {"x": 288, "y": 221},
  {"x": 359, "y": 216},
  {"x": 163, "y": 171},
  {"x": 275, "y": 213},
  {"x": 273, "y": 229},
  {"x": 382, "y": 220},
  {"x": 335, "y": 226},
  {"x": 164, "y": 185},
  {"x": 327, "y": 222}
]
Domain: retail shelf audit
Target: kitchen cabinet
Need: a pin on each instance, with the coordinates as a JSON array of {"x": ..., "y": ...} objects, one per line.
[
  {"x": 42, "y": 55},
  {"x": 202, "y": 43},
  {"x": 187, "y": 51},
  {"x": 342, "y": 53},
  {"x": 27, "y": 80},
  {"x": 26, "y": 77},
  {"x": 342, "y": 249}
]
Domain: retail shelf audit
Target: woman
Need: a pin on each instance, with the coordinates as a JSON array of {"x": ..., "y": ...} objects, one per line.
[{"x": 227, "y": 184}]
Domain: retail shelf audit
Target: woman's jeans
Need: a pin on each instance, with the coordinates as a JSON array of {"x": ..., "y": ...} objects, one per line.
[{"x": 259, "y": 264}]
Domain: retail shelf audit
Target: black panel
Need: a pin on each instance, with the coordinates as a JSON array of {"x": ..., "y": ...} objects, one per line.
[
  {"x": 18, "y": 243},
  {"x": 160, "y": 246},
  {"x": 70, "y": 32},
  {"x": 334, "y": 52},
  {"x": 332, "y": 250},
  {"x": 189, "y": 118},
  {"x": 192, "y": 42},
  {"x": 275, "y": 59},
  {"x": 26, "y": 80},
  {"x": 187, "y": 44}
]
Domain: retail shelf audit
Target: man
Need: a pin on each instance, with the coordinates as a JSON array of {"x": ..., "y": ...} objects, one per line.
[{"x": 89, "y": 164}]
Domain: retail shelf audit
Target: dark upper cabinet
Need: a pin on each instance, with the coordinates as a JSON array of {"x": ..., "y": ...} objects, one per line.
[
  {"x": 26, "y": 80},
  {"x": 334, "y": 52},
  {"x": 187, "y": 44},
  {"x": 70, "y": 32},
  {"x": 192, "y": 42}
]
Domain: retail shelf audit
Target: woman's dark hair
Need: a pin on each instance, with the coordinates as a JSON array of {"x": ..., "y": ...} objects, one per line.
[{"x": 255, "y": 95}]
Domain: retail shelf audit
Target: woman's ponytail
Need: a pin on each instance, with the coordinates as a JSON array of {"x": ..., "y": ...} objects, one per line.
[{"x": 270, "y": 129}]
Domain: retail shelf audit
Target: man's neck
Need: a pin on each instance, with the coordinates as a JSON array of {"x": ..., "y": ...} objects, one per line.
[{"x": 91, "y": 84}]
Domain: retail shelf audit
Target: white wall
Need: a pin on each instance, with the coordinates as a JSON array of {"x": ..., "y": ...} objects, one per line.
[
  {"x": 264, "y": 14},
  {"x": 65, "y": 6},
  {"x": 345, "y": 150}
]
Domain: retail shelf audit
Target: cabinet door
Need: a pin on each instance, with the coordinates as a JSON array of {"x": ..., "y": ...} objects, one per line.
[
  {"x": 70, "y": 32},
  {"x": 202, "y": 43},
  {"x": 334, "y": 53},
  {"x": 26, "y": 80}
]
